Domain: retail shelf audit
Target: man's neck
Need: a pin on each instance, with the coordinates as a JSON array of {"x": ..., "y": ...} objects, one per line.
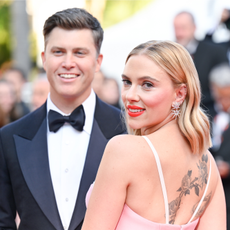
[{"x": 67, "y": 105}]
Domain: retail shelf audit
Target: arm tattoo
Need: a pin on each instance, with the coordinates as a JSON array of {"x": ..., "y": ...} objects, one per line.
[{"x": 188, "y": 184}]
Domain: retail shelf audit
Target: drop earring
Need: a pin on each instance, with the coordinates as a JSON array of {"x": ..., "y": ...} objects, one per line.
[{"x": 175, "y": 109}]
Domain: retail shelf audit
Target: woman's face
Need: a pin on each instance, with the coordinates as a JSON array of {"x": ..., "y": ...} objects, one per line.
[
  {"x": 147, "y": 93},
  {"x": 6, "y": 97}
]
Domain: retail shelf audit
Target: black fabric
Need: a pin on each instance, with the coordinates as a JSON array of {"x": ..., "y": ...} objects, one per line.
[
  {"x": 76, "y": 119},
  {"x": 25, "y": 180},
  {"x": 207, "y": 56}
]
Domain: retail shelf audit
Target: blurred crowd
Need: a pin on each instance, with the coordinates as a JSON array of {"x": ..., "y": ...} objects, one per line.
[
  {"x": 212, "y": 61},
  {"x": 19, "y": 96}
]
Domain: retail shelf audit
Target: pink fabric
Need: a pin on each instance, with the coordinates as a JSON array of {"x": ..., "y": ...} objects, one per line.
[{"x": 131, "y": 220}]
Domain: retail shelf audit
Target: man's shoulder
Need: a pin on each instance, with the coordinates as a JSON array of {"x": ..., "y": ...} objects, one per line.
[
  {"x": 109, "y": 118},
  {"x": 212, "y": 50},
  {"x": 210, "y": 45}
]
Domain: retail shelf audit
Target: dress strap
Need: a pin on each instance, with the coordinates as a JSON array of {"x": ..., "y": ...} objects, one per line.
[
  {"x": 161, "y": 178},
  {"x": 205, "y": 191}
]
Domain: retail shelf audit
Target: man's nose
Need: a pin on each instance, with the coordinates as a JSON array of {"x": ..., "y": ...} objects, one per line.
[{"x": 69, "y": 62}]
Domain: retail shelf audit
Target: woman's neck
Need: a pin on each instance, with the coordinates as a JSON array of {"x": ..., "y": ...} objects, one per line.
[{"x": 164, "y": 123}]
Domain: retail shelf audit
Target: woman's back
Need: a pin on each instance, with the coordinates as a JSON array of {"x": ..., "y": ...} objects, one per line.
[{"x": 185, "y": 175}]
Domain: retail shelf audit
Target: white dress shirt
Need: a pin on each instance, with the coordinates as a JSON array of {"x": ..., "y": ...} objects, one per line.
[{"x": 67, "y": 150}]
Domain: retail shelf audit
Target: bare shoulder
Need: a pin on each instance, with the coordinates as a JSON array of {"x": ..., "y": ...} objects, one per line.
[
  {"x": 126, "y": 142},
  {"x": 126, "y": 146}
]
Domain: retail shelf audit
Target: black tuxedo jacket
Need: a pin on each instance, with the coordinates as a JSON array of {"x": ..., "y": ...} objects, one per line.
[
  {"x": 25, "y": 180},
  {"x": 207, "y": 56}
]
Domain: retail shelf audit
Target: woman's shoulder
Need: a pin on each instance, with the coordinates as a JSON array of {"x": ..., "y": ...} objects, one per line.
[
  {"x": 126, "y": 141},
  {"x": 127, "y": 146}
]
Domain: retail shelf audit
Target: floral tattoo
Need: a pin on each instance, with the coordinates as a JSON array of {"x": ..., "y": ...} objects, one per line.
[
  {"x": 203, "y": 206},
  {"x": 187, "y": 186}
]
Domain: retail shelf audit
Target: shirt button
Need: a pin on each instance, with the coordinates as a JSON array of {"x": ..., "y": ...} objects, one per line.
[
  {"x": 66, "y": 170},
  {"x": 66, "y": 199}
]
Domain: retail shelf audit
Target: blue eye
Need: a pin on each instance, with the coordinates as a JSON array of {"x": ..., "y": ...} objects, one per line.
[
  {"x": 57, "y": 52},
  {"x": 147, "y": 85}
]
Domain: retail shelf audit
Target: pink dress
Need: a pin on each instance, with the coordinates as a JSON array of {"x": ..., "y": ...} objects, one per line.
[{"x": 130, "y": 220}]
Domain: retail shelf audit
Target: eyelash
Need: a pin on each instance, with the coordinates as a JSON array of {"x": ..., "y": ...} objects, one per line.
[
  {"x": 126, "y": 82},
  {"x": 146, "y": 85},
  {"x": 57, "y": 51}
]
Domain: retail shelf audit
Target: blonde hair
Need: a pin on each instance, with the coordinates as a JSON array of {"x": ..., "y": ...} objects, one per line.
[{"x": 177, "y": 62}]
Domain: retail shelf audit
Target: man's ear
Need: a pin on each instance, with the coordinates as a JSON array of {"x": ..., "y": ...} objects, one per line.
[
  {"x": 181, "y": 93},
  {"x": 43, "y": 56},
  {"x": 99, "y": 61}
]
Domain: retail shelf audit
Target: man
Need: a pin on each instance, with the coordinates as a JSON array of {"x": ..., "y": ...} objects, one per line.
[
  {"x": 45, "y": 168},
  {"x": 206, "y": 55},
  {"x": 220, "y": 85}
]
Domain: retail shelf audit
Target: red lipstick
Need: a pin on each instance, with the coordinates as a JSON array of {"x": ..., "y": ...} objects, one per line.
[{"x": 134, "y": 111}]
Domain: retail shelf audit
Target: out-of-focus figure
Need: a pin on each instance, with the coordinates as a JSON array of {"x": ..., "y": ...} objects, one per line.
[
  {"x": 2, "y": 118},
  {"x": 97, "y": 83},
  {"x": 40, "y": 91},
  {"x": 106, "y": 88},
  {"x": 7, "y": 101},
  {"x": 110, "y": 92},
  {"x": 220, "y": 85},
  {"x": 17, "y": 78},
  {"x": 206, "y": 55},
  {"x": 226, "y": 21}
]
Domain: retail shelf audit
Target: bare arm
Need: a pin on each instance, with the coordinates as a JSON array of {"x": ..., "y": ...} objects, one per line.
[
  {"x": 214, "y": 216},
  {"x": 109, "y": 193}
]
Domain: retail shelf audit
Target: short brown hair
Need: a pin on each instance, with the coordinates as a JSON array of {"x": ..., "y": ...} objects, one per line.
[{"x": 74, "y": 18}]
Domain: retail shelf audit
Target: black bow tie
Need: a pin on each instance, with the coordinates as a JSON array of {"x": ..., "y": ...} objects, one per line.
[{"x": 76, "y": 119}]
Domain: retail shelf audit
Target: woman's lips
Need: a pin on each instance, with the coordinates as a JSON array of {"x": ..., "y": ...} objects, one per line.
[{"x": 135, "y": 111}]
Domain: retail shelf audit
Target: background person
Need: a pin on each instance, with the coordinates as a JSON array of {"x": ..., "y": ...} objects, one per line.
[
  {"x": 163, "y": 176},
  {"x": 110, "y": 92},
  {"x": 205, "y": 54},
  {"x": 40, "y": 91},
  {"x": 7, "y": 101},
  {"x": 49, "y": 158},
  {"x": 17, "y": 78},
  {"x": 220, "y": 85}
]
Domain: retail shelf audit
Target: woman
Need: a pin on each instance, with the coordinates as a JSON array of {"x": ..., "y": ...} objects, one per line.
[
  {"x": 7, "y": 101},
  {"x": 163, "y": 176}
]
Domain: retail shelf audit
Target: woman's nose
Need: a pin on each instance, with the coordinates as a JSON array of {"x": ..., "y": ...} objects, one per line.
[{"x": 132, "y": 94}]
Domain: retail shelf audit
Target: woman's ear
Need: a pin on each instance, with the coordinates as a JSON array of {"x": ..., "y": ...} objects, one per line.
[{"x": 181, "y": 93}]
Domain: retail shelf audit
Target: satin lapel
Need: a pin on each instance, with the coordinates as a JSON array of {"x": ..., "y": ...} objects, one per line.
[
  {"x": 94, "y": 154},
  {"x": 33, "y": 159}
]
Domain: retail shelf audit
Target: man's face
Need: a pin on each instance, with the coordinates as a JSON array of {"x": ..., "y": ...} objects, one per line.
[
  {"x": 70, "y": 60},
  {"x": 184, "y": 29},
  {"x": 222, "y": 97}
]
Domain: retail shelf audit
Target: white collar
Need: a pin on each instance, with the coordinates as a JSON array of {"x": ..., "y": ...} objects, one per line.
[
  {"x": 192, "y": 46},
  {"x": 89, "y": 107}
]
